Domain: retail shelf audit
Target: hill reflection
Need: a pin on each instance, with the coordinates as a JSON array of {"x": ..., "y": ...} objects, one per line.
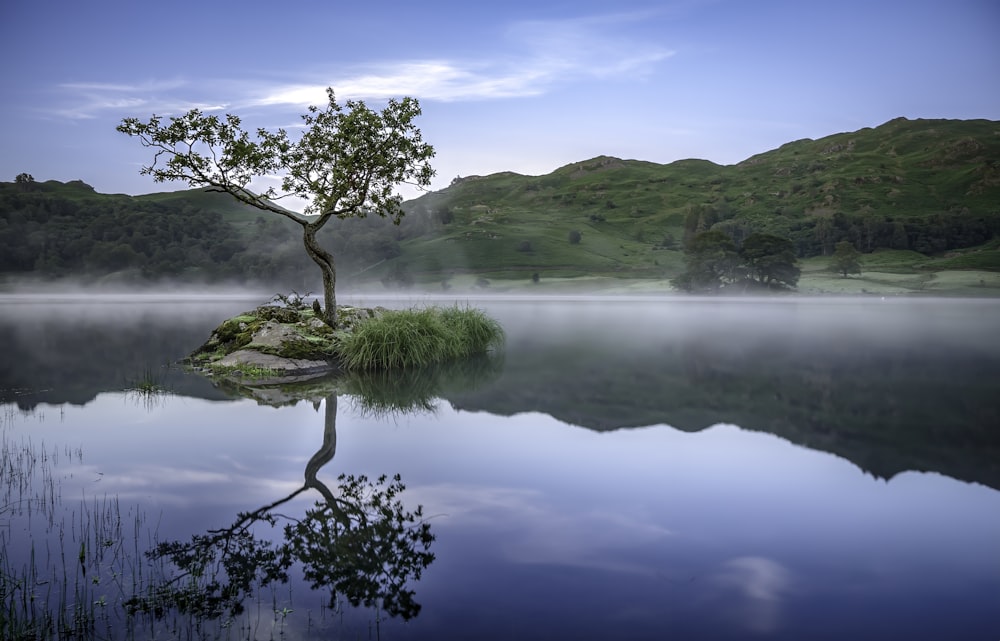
[
  {"x": 892, "y": 387},
  {"x": 880, "y": 394}
]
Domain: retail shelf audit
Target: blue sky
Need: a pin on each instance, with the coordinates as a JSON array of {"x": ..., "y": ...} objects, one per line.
[{"x": 525, "y": 86}]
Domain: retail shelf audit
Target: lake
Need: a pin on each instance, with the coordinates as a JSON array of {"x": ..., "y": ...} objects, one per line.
[{"x": 640, "y": 468}]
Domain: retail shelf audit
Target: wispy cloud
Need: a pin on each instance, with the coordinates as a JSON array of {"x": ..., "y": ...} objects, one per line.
[
  {"x": 88, "y": 100},
  {"x": 531, "y": 58},
  {"x": 142, "y": 87},
  {"x": 538, "y": 56},
  {"x": 427, "y": 80}
]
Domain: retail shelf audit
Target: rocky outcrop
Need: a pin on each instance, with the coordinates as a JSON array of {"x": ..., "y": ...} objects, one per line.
[{"x": 277, "y": 343}]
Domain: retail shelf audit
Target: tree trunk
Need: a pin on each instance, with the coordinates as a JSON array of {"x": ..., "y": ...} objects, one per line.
[{"x": 324, "y": 259}]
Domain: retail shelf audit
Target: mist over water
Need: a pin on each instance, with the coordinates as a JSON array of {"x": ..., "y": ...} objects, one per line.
[{"x": 630, "y": 466}]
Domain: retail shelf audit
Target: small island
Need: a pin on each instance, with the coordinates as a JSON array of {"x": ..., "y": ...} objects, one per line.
[{"x": 288, "y": 340}]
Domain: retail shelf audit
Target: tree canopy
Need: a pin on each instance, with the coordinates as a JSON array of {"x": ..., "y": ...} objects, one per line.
[
  {"x": 846, "y": 259},
  {"x": 770, "y": 260},
  {"x": 713, "y": 262},
  {"x": 347, "y": 163}
]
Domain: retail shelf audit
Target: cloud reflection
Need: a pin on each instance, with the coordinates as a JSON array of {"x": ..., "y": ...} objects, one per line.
[
  {"x": 531, "y": 530},
  {"x": 752, "y": 590},
  {"x": 179, "y": 486}
]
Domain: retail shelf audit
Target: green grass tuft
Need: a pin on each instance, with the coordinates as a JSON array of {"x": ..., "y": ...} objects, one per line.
[{"x": 419, "y": 337}]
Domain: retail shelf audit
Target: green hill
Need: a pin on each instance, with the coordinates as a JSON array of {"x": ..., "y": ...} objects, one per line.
[
  {"x": 925, "y": 185},
  {"x": 915, "y": 196}
]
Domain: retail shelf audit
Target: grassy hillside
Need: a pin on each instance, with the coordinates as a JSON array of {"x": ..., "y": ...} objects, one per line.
[
  {"x": 926, "y": 186},
  {"x": 924, "y": 190}
]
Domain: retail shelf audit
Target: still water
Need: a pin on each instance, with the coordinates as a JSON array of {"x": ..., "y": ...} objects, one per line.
[{"x": 626, "y": 468}]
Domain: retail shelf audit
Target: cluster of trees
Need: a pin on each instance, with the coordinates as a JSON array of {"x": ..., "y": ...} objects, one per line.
[
  {"x": 69, "y": 232},
  {"x": 818, "y": 235},
  {"x": 713, "y": 262}
]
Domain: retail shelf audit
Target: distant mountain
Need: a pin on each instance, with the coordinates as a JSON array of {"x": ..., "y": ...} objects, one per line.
[{"x": 929, "y": 186}]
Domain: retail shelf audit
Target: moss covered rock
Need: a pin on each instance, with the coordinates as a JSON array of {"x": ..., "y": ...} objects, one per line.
[{"x": 274, "y": 341}]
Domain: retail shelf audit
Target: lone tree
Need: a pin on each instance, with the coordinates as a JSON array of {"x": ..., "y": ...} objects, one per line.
[
  {"x": 347, "y": 163},
  {"x": 846, "y": 259}
]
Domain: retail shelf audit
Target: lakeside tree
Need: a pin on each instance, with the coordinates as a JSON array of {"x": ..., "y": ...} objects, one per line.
[
  {"x": 770, "y": 260},
  {"x": 846, "y": 259},
  {"x": 347, "y": 163},
  {"x": 711, "y": 262}
]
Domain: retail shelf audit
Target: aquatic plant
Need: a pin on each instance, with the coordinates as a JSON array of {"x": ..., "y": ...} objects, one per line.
[
  {"x": 419, "y": 337},
  {"x": 146, "y": 391}
]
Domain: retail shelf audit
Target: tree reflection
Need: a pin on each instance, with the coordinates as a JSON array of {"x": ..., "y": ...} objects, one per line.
[{"x": 359, "y": 541}]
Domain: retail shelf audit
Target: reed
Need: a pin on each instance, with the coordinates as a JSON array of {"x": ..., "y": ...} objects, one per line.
[{"x": 419, "y": 338}]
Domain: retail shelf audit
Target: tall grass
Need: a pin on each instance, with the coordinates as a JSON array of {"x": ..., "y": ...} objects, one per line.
[
  {"x": 67, "y": 570},
  {"x": 419, "y": 337}
]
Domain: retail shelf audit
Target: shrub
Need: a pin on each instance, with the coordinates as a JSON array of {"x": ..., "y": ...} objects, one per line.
[
  {"x": 574, "y": 237},
  {"x": 419, "y": 337}
]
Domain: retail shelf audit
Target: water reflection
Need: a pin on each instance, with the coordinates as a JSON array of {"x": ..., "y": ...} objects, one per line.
[
  {"x": 892, "y": 388},
  {"x": 359, "y": 541},
  {"x": 750, "y": 591},
  {"x": 69, "y": 350},
  {"x": 548, "y": 530}
]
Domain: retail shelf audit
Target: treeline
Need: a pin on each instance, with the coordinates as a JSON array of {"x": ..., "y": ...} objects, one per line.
[
  {"x": 818, "y": 234},
  {"x": 58, "y": 230}
]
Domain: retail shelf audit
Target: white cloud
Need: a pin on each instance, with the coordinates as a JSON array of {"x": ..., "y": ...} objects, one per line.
[
  {"x": 532, "y": 58},
  {"x": 588, "y": 46},
  {"x": 428, "y": 80},
  {"x": 539, "y": 56}
]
